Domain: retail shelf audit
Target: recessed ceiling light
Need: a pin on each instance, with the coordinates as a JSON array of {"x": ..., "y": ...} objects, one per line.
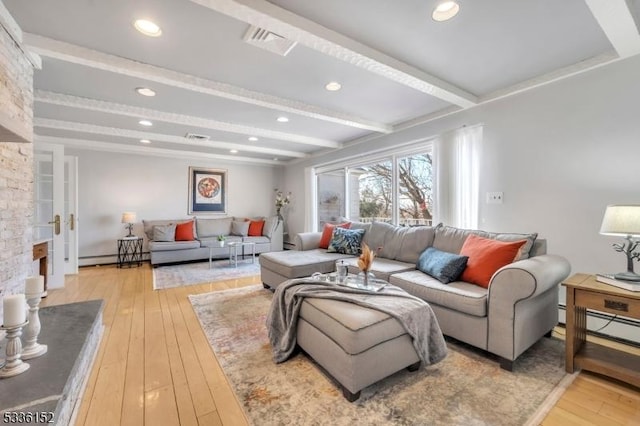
[
  {"x": 145, "y": 141},
  {"x": 145, "y": 123},
  {"x": 276, "y": 159},
  {"x": 445, "y": 11},
  {"x": 282, "y": 119},
  {"x": 234, "y": 151},
  {"x": 333, "y": 86},
  {"x": 253, "y": 138},
  {"x": 145, "y": 91},
  {"x": 147, "y": 28}
]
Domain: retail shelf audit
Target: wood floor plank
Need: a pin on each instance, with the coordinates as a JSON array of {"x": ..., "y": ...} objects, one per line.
[
  {"x": 155, "y": 365},
  {"x": 160, "y": 407},
  {"x": 133, "y": 401}
]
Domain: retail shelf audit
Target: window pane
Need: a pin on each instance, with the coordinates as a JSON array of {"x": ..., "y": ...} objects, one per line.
[
  {"x": 331, "y": 199},
  {"x": 374, "y": 192},
  {"x": 416, "y": 190}
]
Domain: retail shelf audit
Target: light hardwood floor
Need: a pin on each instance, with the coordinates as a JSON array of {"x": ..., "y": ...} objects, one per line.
[{"x": 155, "y": 366}]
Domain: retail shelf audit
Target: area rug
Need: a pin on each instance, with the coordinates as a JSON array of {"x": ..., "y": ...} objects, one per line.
[
  {"x": 467, "y": 388},
  {"x": 200, "y": 273}
]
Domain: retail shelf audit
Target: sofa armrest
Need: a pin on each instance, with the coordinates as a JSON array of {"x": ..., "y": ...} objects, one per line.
[
  {"x": 527, "y": 278},
  {"x": 308, "y": 240},
  {"x": 522, "y": 303}
]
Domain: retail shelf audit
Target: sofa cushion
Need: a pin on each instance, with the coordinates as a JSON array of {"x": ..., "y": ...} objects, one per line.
[
  {"x": 240, "y": 228},
  {"x": 327, "y": 233},
  {"x": 486, "y": 256},
  {"x": 451, "y": 239},
  {"x": 346, "y": 241},
  {"x": 416, "y": 239},
  {"x": 255, "y": 228},
  {"x": 525, "y": 250},
  {"x": 457, "y": 295},
  {"x": 270, "y": 225},
  {"x": 184, "y": 231},
  {"x": 385, "y": 237},
  {"x": 149, "y": 224},
  {"x": 258, "y": 240},
  {"x": 164, "y": 233},
  {"x": 173, "y": 245},
  {"x": 443, "y": 266},
  {"x": 213, "y": 227},
  {"x": 296, "y": 264}
]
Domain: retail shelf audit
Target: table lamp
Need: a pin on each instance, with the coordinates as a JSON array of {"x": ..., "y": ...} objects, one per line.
[
  {"x": 129, "y": 218},
  {"x": 624, "y": 220}
]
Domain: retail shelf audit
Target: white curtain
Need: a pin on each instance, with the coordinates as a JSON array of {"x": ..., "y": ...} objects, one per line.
[{"x": 456, "y": 158}]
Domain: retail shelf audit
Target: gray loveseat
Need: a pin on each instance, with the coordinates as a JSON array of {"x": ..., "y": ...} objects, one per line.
[
  {"x": 206, "y": 232},
  {"x": 519, "y": 307}
]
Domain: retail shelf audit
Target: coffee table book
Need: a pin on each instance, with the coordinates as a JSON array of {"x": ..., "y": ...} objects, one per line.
[{"x": 611, "y": 280}]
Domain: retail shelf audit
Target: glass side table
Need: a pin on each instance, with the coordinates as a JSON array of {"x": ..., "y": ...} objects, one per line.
[
  {"x": 129, "y": 252},
  {"x": 237, "y": 249}
]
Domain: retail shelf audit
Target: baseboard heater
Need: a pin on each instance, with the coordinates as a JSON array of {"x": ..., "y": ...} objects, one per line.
[{"x": 609, "y": 318}]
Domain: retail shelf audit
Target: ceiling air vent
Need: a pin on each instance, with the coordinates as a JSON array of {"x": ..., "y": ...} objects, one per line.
[
  {"x": 267, "y": 40},
  {"x": 196, "y": 137}
]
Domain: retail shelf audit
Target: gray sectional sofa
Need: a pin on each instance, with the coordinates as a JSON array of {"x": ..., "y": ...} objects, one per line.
[
  {"x": 519, "y": 307},
  {"x": 206, "y": 232}
]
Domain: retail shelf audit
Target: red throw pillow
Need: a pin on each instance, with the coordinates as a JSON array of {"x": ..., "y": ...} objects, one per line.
[
  {"x": 327, "y": 232},
  {"x": 486, "y": 256},
  {"x": 255, "y": 228},
  {"x": 184, "y": 231}
]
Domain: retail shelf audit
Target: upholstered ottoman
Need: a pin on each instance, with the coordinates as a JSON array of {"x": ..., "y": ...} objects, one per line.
[{"x": 358, "y": 346}]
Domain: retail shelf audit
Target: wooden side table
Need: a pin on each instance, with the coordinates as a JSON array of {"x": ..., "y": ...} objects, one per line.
[
  {"x": 584, "y": 292},
  {"x": 129, "y": 252}
]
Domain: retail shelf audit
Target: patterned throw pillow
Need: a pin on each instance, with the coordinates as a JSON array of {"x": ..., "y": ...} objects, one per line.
[
  {"x": 441, "y": 265},
  {"x": 346, "y": 241}
]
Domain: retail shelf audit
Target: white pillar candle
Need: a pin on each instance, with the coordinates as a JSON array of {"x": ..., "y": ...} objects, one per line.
[
  {"x": 14, "y": 310},
  {"x": 34, "y": 285}
]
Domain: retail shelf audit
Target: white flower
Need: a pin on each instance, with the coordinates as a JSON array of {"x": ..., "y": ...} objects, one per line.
[{"x": 281, "y": 199}]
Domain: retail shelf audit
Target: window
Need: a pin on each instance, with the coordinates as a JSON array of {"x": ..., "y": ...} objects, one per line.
[
  {"x": 393, "y": 189},
  {"x": 422, "y": 182}
]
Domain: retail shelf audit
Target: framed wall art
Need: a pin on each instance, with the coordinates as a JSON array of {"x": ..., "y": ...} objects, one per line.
[{"x": 207, "y": 190}]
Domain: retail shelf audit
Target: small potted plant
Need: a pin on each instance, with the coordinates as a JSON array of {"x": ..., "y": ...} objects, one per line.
[{"x": 221, "y": 239}]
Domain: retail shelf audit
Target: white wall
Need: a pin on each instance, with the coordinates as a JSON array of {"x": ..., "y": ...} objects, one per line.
[
  {"x": 560, "y": 153},
  {"x": 155, "y": 188}
]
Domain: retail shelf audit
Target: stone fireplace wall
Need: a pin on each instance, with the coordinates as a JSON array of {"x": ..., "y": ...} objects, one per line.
[{"x": 16, "y": 166}]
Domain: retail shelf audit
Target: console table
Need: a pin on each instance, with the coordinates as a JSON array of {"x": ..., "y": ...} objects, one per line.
[
  {"x": 41, "y": 253},
  {"x": 584, "y": 292}
]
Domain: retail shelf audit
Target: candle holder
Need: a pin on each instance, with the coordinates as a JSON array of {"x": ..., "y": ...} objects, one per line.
[
  {"x": 33, "y": 349},
  {"x": 14, "y": 364}
]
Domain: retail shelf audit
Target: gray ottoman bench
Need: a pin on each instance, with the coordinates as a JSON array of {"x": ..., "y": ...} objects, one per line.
[{"x": 357, "y": 346}]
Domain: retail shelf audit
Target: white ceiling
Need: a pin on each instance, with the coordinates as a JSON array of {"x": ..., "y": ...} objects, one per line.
[{"x": 394, "y": 62}]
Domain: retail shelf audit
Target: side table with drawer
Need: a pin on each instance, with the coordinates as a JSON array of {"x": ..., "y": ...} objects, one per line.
[{"x": 585, "y": 292}]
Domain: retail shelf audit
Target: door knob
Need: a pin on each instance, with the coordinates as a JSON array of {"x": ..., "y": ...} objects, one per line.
[{"x": 56, "y": 223}]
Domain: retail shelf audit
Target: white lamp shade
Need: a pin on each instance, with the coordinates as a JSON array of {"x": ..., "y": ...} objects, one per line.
[
  {"x": 621, "y": 220},
  {"x": 128, "y": 217}
]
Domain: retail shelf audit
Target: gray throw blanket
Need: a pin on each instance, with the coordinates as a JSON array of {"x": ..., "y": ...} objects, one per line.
[{"x": 413, "y": 313}]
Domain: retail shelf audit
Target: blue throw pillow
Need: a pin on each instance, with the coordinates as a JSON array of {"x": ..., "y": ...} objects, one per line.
[
  {"x": 346, "y": 241},
  {"x": 443, "y": 266}
]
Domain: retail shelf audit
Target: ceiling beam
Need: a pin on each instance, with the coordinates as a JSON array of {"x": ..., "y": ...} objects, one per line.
[
  {"x": 312, "y": 35},
  {"x": 51, "y": 48},
  {"x": 616, "y": 20},
  {"x": 159, "y": 137},
  {"x": 148, "y": 150},
  {"x": 71, "y": 101}
]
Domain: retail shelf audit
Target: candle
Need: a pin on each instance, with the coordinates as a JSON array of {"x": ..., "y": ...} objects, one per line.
[
  {"x": 34, "y": 285},
  {"x": 14, "y": 310}
]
